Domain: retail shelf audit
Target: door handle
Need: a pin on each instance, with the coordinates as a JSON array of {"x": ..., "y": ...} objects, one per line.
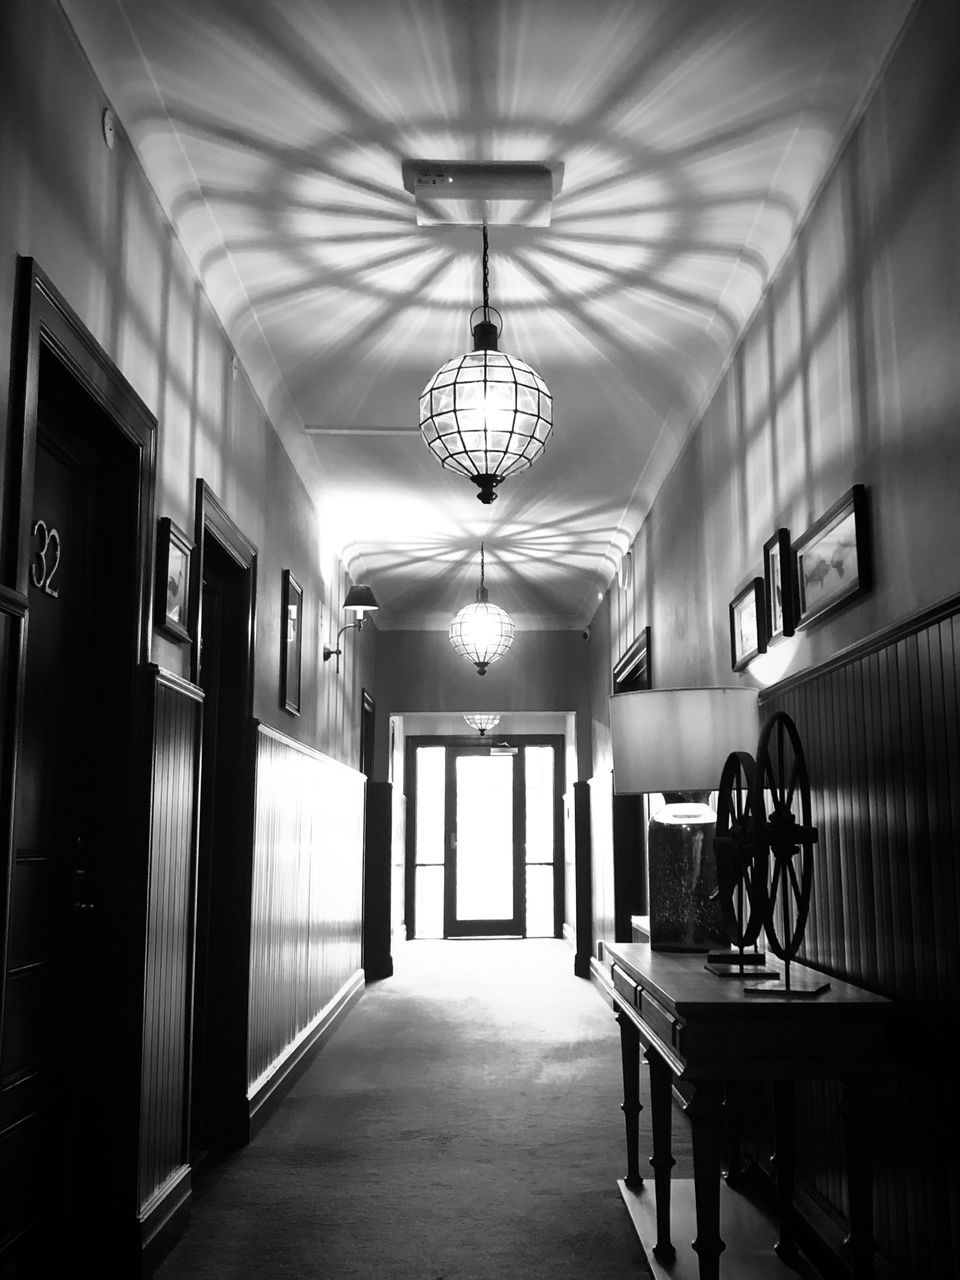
[{"x": 81, "y": 893}]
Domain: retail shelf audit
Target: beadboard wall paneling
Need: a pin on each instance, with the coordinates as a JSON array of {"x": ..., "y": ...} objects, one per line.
[
  {"x": 880, "y": 726},
  {"x": 601, "y": 845},
  {"x": 13, "y": 608},
  {"x": 580, "y": 901},
  {"x": 305, "y": 943},
  {"x": 168, "y": 967}
]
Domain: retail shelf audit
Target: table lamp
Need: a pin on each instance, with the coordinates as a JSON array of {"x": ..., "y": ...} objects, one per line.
[{"x": 674, "y": 743}]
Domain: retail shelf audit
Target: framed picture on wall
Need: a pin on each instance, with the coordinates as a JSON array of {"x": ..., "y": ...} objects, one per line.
[
  {"x": 291, "y": 643},
  {"x": 779, "y": 586},
  {"x": 833, "y": 558},
  {"x": 632, "y": 669},
  {"x": 748, "y": 630},
  {"x": 172, "y": 597}
]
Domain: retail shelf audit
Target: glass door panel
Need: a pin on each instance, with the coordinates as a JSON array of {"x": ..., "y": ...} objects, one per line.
[
  {"x": 483, "y": 893},
  {"x": 484, "y": 838},
  {"x": 539, "y": 798},
  {"x": 430, "y": 842}
]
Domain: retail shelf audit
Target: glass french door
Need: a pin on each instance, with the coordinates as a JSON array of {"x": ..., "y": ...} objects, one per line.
[
  {"x": 485, "y": 857},
  {"x": 484, "y": 868}
]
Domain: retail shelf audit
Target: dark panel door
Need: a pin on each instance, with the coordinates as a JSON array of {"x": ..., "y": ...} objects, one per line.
[
  {"x": 218, "y": 1105},
  {"x": 56, "y": 1135},
  {"x": 484, "y": 883}
]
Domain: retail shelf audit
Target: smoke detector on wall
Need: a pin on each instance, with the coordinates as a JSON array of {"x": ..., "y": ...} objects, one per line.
[{"x": 503, "y": 193}]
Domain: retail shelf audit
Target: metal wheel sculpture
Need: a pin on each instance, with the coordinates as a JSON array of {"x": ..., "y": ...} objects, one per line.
[
  {"x": 741, "y": 874},
  {"x": 781, "y": 791}
]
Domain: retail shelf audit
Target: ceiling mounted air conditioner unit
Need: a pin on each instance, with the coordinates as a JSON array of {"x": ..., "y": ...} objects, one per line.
[{"x": 496, "y": 193}]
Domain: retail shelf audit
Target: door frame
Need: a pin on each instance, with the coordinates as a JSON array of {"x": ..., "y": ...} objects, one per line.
[
  {"x": 45, "y": 322},
  {"x": 557, "y": 741},
  {"x": 234, "y": 894},
  {"x": 515, "y": 926}
]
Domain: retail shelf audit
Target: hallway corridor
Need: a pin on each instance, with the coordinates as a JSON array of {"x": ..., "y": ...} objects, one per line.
[{"x": 463, "y": 1124}]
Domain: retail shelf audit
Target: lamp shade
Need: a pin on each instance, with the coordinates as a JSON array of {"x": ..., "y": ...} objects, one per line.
[
  {"x": 360, "y": 600},
  {"x": 679, "y": 739}
]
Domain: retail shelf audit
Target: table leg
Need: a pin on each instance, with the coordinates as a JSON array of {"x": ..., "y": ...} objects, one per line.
[
  {"x": 858, "y": 1109},
  {"x": 631, "y": 1108},
  {"x": 784, "y": 1160},
  {"x": 735, "y": 1165},
  {"x": 706, "y": 1122},
  {"x": 662, "y": 1161}
]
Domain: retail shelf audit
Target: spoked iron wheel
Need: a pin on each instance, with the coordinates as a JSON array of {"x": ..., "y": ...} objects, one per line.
[
  {"x": 784, "y": 831},
  {"x": 741, "y": 874}
]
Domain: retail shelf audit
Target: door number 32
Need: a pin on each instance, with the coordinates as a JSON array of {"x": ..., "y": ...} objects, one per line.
[{"x": 46, "y": 558}]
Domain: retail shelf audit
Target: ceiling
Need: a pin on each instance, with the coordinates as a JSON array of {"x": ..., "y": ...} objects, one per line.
[{"x": 688, "y": 137}]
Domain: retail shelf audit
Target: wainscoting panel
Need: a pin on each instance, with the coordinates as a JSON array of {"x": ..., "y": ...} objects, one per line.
[
  {"x": 168, "y": 971},
  {"x": 307, "y": 906},
  {"x": 578, "y": 841},
  {"x": 880, "y": 726},
  {"x": 602, "y": 855}
]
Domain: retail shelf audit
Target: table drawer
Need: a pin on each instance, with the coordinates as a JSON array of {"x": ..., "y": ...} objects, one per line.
[
  {"x": 626, "y": 987},
  {"x": 661, "y": 1021}
]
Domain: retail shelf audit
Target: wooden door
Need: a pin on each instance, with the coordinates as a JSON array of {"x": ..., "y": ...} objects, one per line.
[
  {"x": 59, "y": 1147},
  {"x": 227, "y": 594}
]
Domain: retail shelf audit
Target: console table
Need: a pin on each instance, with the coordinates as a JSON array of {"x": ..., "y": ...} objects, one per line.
[{"x": 702, "y": 1029}]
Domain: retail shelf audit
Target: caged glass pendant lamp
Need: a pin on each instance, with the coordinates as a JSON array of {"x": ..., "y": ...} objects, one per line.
[
  {"x": 485, "y": 414},
  {"x": 482, "y": 632},
  {"x": 482, "y": 720}
]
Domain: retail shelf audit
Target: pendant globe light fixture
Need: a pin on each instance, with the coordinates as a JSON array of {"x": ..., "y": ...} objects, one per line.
[
  {"x": 482, "y": 720},
  {"x": 485, "y": 414},
  {"x": 482, "y": 632}
]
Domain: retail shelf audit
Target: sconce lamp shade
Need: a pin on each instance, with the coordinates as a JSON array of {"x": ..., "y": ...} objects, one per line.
[
  {"x": 360, "y": 600},
  {"x": 679, "y": 739}
]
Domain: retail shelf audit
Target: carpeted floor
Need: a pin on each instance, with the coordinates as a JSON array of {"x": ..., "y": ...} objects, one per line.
[{"x": 464, "y": 1124}]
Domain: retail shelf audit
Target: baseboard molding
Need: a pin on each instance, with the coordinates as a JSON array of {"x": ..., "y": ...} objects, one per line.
[
  {"x": 285, "y": 1071},
  {"x": 569, "y": 934},
  {"x": 163, "y": 1216},
  {"x": 600, "y": 977}
]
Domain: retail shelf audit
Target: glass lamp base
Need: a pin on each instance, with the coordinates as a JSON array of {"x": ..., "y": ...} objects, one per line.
[{"x": 682, "y": 877}]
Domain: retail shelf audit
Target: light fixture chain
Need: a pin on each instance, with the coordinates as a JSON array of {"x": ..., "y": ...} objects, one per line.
[
  {"x": 481, "y": 566},
  {"x": 486, "y": 275}
]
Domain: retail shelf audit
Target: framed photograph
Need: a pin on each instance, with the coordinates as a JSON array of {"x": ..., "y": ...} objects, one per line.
[
  {"x": 172, "y": 599},
  {"x": 833, "y": 558},
  {"x": 291, "y": 643},
  {"x": 779, "y": 586},
  {"x": 748, "y": 631},
  {"x": 632, "y": 669}
]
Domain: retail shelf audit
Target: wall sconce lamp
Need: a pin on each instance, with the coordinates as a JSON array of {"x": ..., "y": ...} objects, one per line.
[
  {"x": 675, "y": 742},
  {"x": 360, "y": 601}
]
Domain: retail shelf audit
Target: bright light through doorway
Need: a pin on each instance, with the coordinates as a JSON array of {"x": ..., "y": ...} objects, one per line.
[{"x": 481, "y": 828}]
